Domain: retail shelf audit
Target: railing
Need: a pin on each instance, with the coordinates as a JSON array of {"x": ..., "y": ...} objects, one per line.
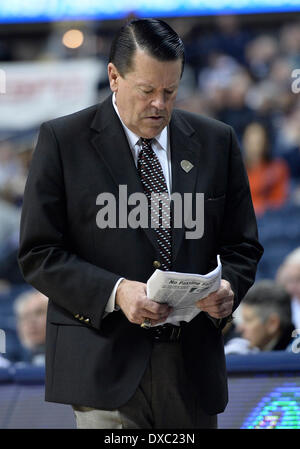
[{"x": 257, "y": 383}]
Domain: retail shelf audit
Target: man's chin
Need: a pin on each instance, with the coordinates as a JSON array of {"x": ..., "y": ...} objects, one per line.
[{"x": 152, "y": 131}]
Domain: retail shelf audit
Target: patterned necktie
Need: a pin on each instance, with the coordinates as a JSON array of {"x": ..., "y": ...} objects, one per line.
[{"x": 154, "y": 184}]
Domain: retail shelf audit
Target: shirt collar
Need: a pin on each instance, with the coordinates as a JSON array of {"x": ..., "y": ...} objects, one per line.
[{"x": 161, "y": 138}]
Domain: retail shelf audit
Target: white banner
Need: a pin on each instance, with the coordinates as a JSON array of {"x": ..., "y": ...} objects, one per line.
[{"x": 39, "y": 91}]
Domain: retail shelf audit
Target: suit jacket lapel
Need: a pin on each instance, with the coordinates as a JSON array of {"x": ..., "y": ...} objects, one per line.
[
  {"x": 111, "y": 144},
  {"x": 184, "y": 146}
]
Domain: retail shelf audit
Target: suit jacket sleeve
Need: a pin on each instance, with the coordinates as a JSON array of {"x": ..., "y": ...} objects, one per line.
[
  {"x": 240, "y": 250},
  {"x": 46, "y": 261}
]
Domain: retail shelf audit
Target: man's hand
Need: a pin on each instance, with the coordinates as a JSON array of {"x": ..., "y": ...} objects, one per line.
[
  {"x": 131, "y": 297},
  {"x": 218, "y": 304}
]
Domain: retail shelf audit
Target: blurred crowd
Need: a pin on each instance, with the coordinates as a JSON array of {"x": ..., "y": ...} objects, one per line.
[
  {"x": 238, "y": 73},
  {"x": 244, "y": 78}
]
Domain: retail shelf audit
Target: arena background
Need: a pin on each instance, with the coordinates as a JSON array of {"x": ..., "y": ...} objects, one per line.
[{"x": 243, "y": 68}]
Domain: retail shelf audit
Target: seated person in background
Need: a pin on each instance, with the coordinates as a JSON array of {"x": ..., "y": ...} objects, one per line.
[
  {"x": 288, "y": 275},
  {"x": 31, "y": 310},
  {"x": 268, "y": 178},
  {"x": 266, "y": 320},
  {"x": 4, "y": 363}
]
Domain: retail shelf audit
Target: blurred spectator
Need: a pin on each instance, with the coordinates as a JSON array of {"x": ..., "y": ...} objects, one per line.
[
  {"x": 288, "y": 275},
  {"x": 260, "y": 54},
  {"x": 238, "y": 345},
  {"x": 9, "y": 268},
  {"x": 4, "y": 363},
  {"x": 289, "y": 42},
  {"x": 288, "y": 146},
  {"x": 9, "y": 222},
  {"x": 269, "y": 179},
  {"x": 232, "y": 38},
  {"x": 226, "y": 36},
  {"x": 14, "y": 167},
  {"x": 236, "y": 111},
  {"x": 31, "y": 310},
  {"x": 266, "y": 320},
  {"x": 218, "y": 73}
]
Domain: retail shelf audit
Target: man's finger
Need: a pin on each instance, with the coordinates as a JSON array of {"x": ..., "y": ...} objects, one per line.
[
  {"x": 154, "y": 316},
  {"x": 213, "y": 301},
  {"x": 155, "y": 322},
  {"x": 222, "y": 291},
  {"x": 155, "y": 307},
  {"x": 222, "y": 307}
]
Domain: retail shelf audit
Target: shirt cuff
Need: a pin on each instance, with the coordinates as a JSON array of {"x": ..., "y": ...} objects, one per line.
[{"x": 111, "y": 303}]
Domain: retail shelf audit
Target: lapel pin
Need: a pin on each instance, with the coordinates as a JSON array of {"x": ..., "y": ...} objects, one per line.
[{"x": 186, "y": 165}]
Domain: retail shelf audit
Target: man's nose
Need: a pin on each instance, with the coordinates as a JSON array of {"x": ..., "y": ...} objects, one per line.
[{"x": 159, "y": 102}]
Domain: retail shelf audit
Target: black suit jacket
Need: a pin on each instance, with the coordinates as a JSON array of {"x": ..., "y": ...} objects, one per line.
[{"x": 98, "y": 361}]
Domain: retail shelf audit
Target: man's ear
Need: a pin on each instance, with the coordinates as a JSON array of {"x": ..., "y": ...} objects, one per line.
[{"x": 113, "y": 76}]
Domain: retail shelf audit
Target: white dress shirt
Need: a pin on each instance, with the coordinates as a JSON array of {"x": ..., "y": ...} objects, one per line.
[
  {"x": 161, "y": 147},
  {"x": 295, "y": 305}
]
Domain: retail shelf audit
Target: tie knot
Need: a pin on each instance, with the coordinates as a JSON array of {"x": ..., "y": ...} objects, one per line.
[{"x": 146, "y": 143}]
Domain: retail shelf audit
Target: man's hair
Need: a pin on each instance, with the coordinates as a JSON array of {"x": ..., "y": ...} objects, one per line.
[
  {"x": 153, "y": 36},
  {"x": 23, "y": 298},
  {"x": 293, "y": 257},
  {"x": 268, "y": 298}
]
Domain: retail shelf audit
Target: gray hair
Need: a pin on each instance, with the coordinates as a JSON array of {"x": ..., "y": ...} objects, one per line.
[
  {"x": 22, "y": 299},
  {"x": 269, "y": 298},
  {"x": 293, "y": 257}
]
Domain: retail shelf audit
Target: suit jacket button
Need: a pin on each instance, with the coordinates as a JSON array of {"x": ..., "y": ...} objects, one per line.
[
  {"x": 87, "y": 320},
  {"x": 77, "y": 315},
  {"x": 156, "y": 264}
]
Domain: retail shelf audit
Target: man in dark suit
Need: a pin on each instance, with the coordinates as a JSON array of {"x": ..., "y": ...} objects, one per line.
[{"x": 100, "y": 356}]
